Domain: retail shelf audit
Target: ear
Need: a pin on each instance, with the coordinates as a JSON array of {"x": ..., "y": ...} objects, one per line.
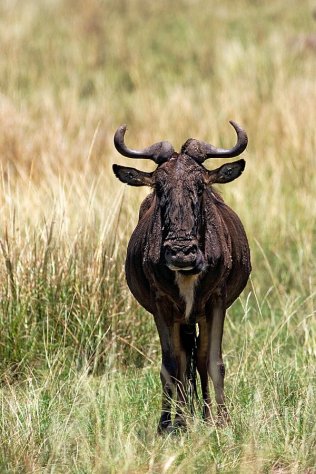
[
  {"x": 226, "y": 173},
  {"x": 132, "y": 176}
]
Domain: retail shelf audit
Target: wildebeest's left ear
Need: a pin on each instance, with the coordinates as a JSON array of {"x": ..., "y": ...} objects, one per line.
[
  {"x": 132, "y": 176},
  {"x": 226, "y": 173}
]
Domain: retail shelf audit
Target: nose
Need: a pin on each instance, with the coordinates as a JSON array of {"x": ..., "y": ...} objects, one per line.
[{"x": 181, "y": 257}]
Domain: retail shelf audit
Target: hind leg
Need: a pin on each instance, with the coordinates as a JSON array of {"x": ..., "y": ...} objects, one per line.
[
  {"x": 181, "y": 384},
  {"x": 216, "y": 368},
  {"x": 202, "y": 359}
]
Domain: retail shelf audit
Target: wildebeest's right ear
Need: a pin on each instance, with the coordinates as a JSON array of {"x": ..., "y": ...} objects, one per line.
[{"x": 132, "y": 176}]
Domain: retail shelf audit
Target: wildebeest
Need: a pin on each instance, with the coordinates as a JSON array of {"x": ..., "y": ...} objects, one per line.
[{"x": 187, "y": 261}]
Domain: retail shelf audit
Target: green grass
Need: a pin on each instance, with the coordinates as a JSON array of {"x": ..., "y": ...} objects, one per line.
[{"x": 79, "y": 359}]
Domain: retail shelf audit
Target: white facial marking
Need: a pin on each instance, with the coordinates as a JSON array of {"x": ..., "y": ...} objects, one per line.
[{"x": 186, "y": 285}]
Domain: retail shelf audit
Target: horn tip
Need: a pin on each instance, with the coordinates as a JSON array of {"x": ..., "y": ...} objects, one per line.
[
  {"x": 235, "y": 125},
  {"x": 241, "y": 132}
]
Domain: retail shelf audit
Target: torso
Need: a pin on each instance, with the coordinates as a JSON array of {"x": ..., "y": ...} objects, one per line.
[{"x": 152, "y": 283}]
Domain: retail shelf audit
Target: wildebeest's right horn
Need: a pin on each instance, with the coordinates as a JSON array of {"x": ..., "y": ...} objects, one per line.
[{"x": 158, "y": 152}]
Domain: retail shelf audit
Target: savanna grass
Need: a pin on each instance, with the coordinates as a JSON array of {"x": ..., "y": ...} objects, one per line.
[{"x": 79, "y": 359}]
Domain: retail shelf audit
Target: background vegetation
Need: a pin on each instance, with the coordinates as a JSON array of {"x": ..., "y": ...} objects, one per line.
[{"x": 79, "y": 360}]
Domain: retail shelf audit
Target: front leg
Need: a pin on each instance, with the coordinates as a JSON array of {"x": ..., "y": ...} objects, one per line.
[
  {"x": 172, "y": 374},
  {"x": 168, "y": 372}
]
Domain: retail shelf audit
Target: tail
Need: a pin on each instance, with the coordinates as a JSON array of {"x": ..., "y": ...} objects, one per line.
[{"x": 189, "y": 342}]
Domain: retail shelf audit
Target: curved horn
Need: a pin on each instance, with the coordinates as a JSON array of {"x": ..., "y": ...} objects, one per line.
[
  {"x": 200, "y": 151},
  {"x": 158, "y": 152}
]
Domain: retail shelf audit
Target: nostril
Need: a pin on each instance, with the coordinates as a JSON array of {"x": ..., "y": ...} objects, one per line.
[
  {"x": 169, "y": 252},
  {"x": 170, "y": 255},
  {"x": 190, "y": 250}
]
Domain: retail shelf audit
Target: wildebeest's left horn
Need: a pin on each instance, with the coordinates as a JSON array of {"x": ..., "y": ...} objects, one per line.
[
  {"x": 158, "y": 152},
  {"x": 201, "y": 151}
]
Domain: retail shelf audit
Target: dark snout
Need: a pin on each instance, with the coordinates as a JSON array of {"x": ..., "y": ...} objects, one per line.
[{"x": 184, "y": 258}]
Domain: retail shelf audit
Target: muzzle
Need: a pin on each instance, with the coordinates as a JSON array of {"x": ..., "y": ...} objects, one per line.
[{"x": 185, "y": 257}]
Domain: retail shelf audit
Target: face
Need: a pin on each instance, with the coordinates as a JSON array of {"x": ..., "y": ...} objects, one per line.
[{"x": 179, "y": 185}]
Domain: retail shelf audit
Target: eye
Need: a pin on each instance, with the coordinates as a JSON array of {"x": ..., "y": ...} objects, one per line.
[
  {"x": 159, "y": 187},
  {"x": 200, "y": 189}
]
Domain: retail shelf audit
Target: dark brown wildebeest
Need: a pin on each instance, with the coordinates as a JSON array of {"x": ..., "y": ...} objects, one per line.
[{"x": 187, "y": 261}]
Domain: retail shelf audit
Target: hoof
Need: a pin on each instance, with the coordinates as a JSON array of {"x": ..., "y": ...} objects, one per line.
[
  {"x": 223, "y": 418},
  {"x": 179, "y": 424},
  {"x": 164, "y": 428}
]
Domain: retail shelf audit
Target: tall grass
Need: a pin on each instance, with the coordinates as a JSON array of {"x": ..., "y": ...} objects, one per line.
[{"x": 79, "y": 359}]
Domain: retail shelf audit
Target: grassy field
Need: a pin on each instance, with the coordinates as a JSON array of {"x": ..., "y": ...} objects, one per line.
[{"x": 79, "y": 359}]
